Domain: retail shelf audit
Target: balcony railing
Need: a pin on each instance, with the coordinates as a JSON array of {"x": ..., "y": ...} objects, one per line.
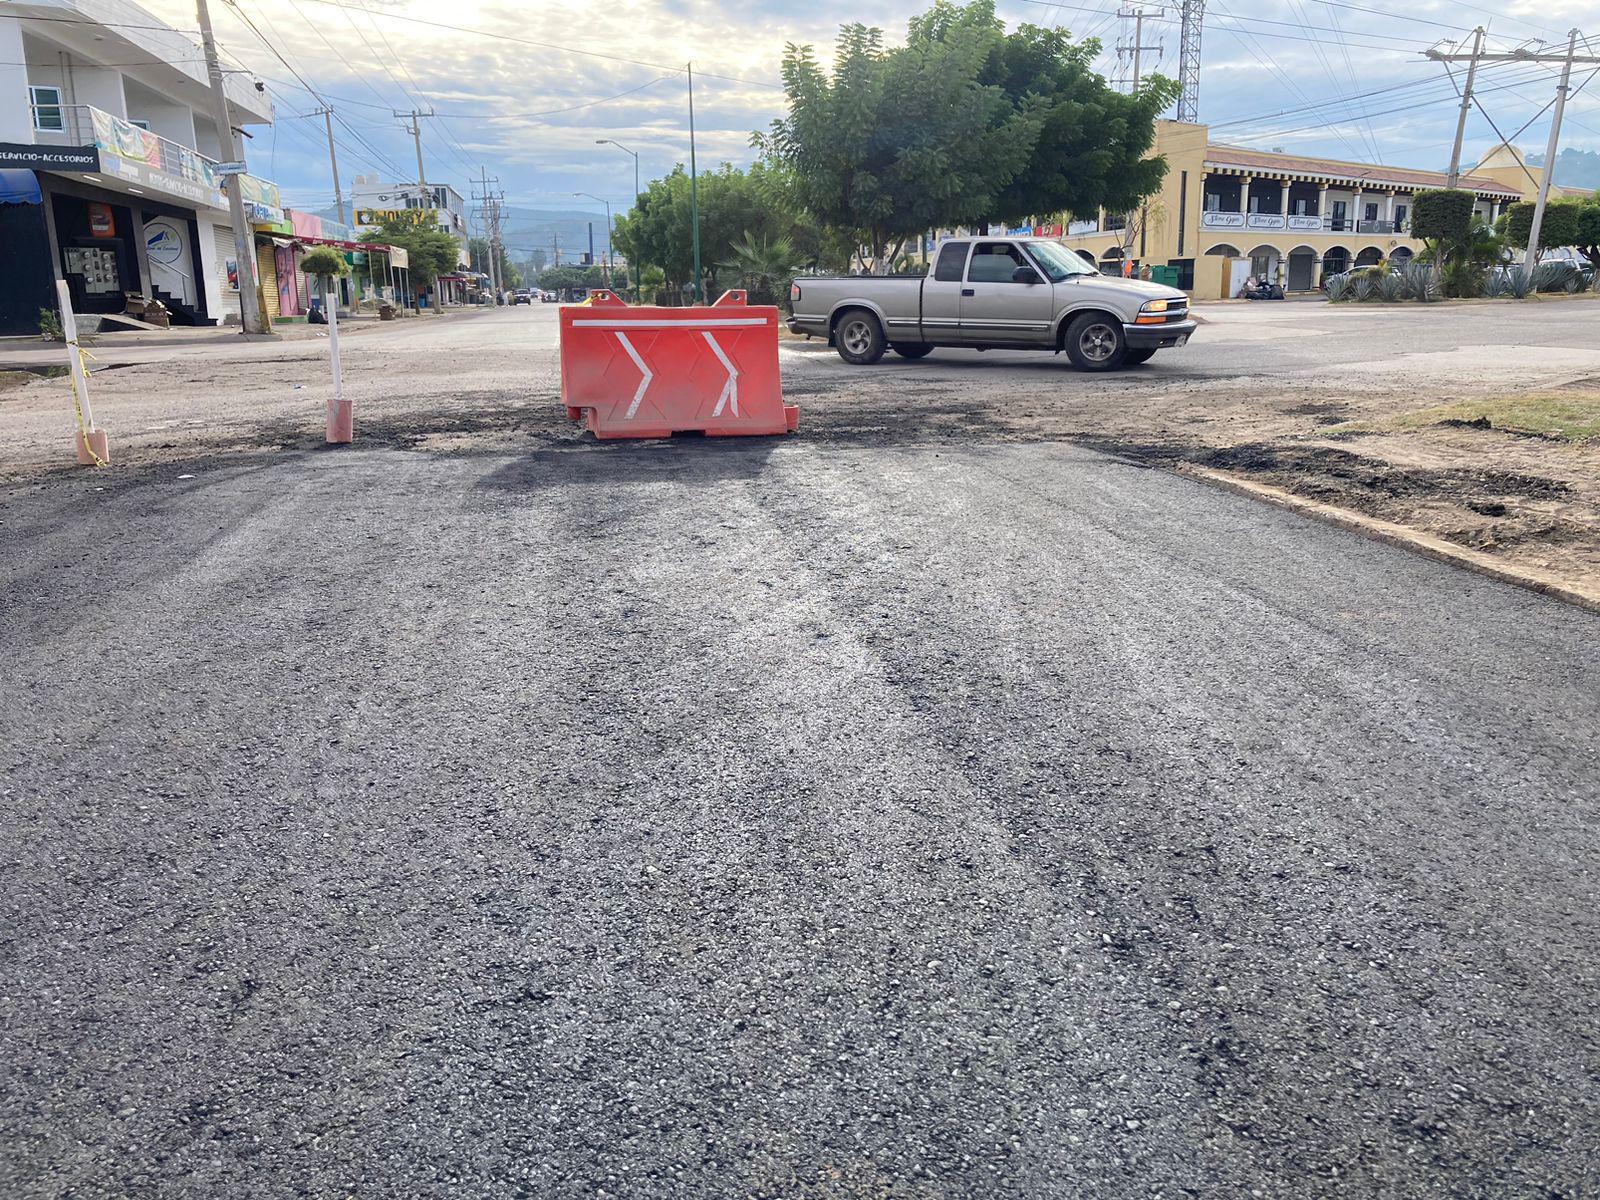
[{"x": 84, "y": 125}]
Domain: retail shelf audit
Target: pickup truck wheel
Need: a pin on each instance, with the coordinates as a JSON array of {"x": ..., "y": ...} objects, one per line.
[
  {"x": 1095, "y": 342},
  {"x": 912, "y": 349},
  {"x": 1134, "y": 357},
  {"x": 860, "y": 338}
]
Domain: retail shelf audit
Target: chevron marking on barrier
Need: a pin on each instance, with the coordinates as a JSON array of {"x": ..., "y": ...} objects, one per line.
[{"x": 730, "y": 390}]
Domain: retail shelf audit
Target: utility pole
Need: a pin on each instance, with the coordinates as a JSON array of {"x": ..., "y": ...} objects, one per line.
[
  {"x": 251, "y": 318},
  {"x": 1466, "y": 105},
  {"x": 694, "y": 196},
  {"x": 490, "y": 212},
  {"x": 1550, "y": 157},
  {"x": 1190, "y": 22},
  {"x": 1134, "y": 51},
  {"x": 414, "y": 128},
  {"x": 333, "y": 161},
  {"x": 1524, "y": 55}
]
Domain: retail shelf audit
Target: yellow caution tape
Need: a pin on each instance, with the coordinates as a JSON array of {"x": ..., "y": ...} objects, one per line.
[{"x": 84, "y": 359}]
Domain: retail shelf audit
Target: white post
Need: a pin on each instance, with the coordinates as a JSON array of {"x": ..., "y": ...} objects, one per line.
[
  {"x": 92, "y": 446},
  {"x": 339, "y": 416}
]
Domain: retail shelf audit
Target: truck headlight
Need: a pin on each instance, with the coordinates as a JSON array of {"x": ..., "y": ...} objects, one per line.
[{"x": 1154, "y": 306}]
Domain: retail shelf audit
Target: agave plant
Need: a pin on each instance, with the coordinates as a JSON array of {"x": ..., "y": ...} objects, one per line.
[
  {"x": 1555, "y": 276},
  {"x": 1366, "y": 285},
  {"x": 1518, "y": 281},
  {"x": 1422, "y": 281},
  {"x": 1392, "y": 286},
  {"x": 1338, "y": 286}
]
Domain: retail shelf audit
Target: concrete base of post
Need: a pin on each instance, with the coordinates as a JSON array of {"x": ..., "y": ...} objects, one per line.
[
  {"x": 341, "y": 426},
  {"x": 93, "y": 448}
]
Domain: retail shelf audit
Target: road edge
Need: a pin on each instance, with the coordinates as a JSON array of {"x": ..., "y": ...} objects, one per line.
[{"x": 1393, "y": 534}]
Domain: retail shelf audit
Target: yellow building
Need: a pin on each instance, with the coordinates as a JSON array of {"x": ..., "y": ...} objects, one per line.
[{"x": 1226, "y": 212}]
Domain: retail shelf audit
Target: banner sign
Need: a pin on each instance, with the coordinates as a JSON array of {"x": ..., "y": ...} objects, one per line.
[
  {"x": 423, "y": 218},
  {"x": 1047, "y": 231},
  {"x": 138, "y": 156},
  {"x": 84, "y": 159},
  {"x": 262, "y": 201}
]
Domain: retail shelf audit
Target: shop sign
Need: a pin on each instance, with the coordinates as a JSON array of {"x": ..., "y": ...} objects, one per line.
[
  {"x": 1047, "y": 231},
  {"x": 102, "y": 221},
  {"x": 262, "y": 202},
  {"x": 423, "y": 218},
  {"x": 84, "y": 159},
  {"x": 162, "y": 241}
]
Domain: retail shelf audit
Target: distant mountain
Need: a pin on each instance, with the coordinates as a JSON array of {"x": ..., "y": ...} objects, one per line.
[{"x": 1574, "y": 168}]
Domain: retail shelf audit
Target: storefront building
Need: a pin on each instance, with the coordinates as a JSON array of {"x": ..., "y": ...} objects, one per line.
[{"x": 110, "y": 159}]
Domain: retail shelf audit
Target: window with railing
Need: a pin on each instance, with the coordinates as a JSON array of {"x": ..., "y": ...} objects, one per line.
[{"x": 47, "y": 112}]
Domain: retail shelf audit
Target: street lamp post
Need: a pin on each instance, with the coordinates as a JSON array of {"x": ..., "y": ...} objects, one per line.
[
  {"x": 638, "y": 296},
  {"x": 607, "y": 203}
]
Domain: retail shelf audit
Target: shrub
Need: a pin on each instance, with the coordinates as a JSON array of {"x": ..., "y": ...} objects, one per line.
[
  {"x": 1443, "y": 215},
  {"x": 1392, "y": 286},
  {"x": 1338, "y": 286},
  {"x": 1463, "y": 280},
  {"x": 50, "y": 325},
  {"x": 324, "y": 261}
]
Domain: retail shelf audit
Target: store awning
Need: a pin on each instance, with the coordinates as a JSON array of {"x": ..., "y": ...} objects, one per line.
[{"x": 18, "y": 186}]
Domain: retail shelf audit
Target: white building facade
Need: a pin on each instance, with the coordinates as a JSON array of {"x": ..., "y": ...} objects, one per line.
[{"x": 108, "y": 155}]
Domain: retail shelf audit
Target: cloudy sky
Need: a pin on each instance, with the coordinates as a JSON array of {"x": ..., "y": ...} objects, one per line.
[{"x": 525, "y": 89}]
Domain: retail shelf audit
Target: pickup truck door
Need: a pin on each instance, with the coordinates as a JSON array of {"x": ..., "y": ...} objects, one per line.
[
  {"x": 995, "y": 308},
  {"x": 941, "y": 294}
]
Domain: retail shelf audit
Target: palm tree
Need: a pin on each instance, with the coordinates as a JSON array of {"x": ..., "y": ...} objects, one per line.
[{"x": 765, "y": 267}]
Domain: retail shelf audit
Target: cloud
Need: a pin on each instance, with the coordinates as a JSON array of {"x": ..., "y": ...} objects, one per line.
[{"x": 1313, "y": 76}]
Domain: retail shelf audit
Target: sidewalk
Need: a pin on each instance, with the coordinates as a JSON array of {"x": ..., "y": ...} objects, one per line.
[{"x": 33, "y": 353}]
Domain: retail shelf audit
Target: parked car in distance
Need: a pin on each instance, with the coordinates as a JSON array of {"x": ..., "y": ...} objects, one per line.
[{"x": 1015, "y": 293}]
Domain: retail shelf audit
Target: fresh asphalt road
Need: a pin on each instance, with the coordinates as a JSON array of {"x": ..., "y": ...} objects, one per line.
[{"x": 785, "y": 820}]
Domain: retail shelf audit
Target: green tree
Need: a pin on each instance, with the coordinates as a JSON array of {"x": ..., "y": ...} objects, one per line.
[
  {"x": 1588, "y": 234},
  {"x": 432, "y": 252},
  {"x": 734, "y": 204},
  {"x": 1560, "y": 226},
  {"x": 962, "y": 124},
  {"x": 1093, "y": 148},
  {"x": 893, "y": 142},
  {"x": 564, "y": 278},
  {"x": 510, "y": 274},
  {"x": 324, "y": 264}
]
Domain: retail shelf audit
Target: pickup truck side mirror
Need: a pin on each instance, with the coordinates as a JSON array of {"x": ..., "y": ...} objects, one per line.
[{"x": 1024, "y": 275}]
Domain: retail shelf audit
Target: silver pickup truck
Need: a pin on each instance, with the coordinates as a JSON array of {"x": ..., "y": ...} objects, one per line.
[{"x": 995, "y": 294}]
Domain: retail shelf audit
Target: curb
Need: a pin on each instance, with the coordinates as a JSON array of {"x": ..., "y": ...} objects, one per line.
[{"x": 1394, "y": 535}]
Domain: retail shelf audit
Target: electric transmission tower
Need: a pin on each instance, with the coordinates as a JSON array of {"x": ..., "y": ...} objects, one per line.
[{"x": 1191, "y": 17}]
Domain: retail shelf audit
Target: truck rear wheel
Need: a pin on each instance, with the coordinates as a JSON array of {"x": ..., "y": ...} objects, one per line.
[
  {"x": 859, "y": 338},
  {"x": 1094, "y": 342},
  {"x": 912, "y": 349}
]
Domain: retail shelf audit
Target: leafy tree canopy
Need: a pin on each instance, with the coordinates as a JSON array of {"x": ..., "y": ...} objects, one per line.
[
  {"x": 962, "y": 124},
  {"x": 432, "y": 252},
  {"x": 1559, "y": 227}
]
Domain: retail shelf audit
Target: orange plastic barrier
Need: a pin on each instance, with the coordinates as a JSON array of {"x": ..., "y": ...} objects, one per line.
[{"x": 631, "y": 371}]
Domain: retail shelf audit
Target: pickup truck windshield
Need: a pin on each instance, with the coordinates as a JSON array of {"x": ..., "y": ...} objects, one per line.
[{"x": 1057, "y": 262}]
